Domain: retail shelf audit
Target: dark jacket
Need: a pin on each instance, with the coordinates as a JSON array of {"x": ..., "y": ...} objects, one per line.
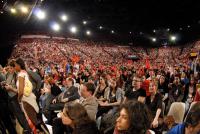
[
  {"x": 176, "y": 93},
  {"x": 35, "y": 79},
  {"x": 70, "y": 93},
  {"x": 87, "y": 128},
  {"x": 3, "y": 93}
]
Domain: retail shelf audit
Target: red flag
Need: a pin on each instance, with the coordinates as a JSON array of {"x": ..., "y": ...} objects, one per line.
[{"x": 147, "y": 64}]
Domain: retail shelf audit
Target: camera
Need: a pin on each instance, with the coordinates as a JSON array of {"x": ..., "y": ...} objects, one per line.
[{"x": 3, "y": 83}]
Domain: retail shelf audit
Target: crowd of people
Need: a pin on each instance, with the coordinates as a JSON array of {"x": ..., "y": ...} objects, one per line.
[{"x": 89, "y": 88}]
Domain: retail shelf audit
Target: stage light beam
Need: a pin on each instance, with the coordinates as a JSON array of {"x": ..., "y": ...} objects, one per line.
[
  {"x": 84, "y": 22},
  {"x": 88, "y": 32},
  {"x": 154, "y": 39},
  {"x": 73, "y": 29},
  {"x": 40, "y": 14},
  {"x": 13, "y": 10},
  {"x": 55, "y": 27},
  {"x": 173, "y": 38},
  {"x": 24, "y": 9},
  {"x": 64, "y": 18}
]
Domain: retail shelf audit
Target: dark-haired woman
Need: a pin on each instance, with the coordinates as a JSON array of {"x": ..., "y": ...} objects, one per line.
[
  {"x": 28, "y": 103},
  {"x": 101, "y": 88},
  {"x": 75, "y": 116},
  {"x": 189, "y": 93},
  {"x": 134, "y": 118},
  {"x": 113, "y": 96}
]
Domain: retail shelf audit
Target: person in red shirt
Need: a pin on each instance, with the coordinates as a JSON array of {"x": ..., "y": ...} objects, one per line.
[{"x": 197, "y": 96}]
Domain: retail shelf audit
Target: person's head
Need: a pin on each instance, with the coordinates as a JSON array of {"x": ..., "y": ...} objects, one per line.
[
  {"x": 151, "y": 73},
  {"x": 74, "y": 114},
  {"x": 134, "y": 118},
  {"x": 113, "y": 83},
  {"x": 102, "y": 80},
  {"x": 91, "y": 79},
  {"x": 69, "y": 82},
  {"x": 137, "y": 82},
  {"x": 19, "y": 65},
  {"x": 192, "y": 81},
  {"x": 193, "y": 119},
  {"x": 11, "y": 66},
  {"x": 153, "y": 87},
  {"x": 162, "y": 79},
  {"x": 87, "y": 90},
  {"x": 143, "y": 78},
  {"x": 176, "y": 79}
]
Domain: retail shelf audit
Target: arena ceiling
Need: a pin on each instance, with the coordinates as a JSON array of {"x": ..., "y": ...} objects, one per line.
[{"x": 136, "y": 21}]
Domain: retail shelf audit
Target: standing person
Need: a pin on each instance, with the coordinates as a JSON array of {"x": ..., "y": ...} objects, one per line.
[
  {"x": 28, "y": 103},
  {"x": 4, "y": 111}
]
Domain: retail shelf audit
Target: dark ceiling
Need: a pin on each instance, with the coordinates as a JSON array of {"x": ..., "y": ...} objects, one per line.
[{"x": 122, "y": 16}]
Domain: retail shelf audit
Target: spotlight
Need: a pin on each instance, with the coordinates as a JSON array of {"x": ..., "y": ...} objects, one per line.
[
  {"x": 173, "y": 38},
  {"x": 154, "y": 30},
  {"x": 154, "y": 39},
  {"x": 84, "y": 22},
  {"x": 64, "y": 17},
  {"x": 24, "y": 9},
  {"x": 112, "y": 31},
  {"x": 88, "y": 32},
  {"x": 180, "y": 28},
  {"x": 40, "y": 14},
  {"x": 168, "y": 29},
  {"x": 73, "y": 29},
  {"x": 188, "y": 26},
  {"x": 130, "y": 32},
  {"x": 13, "y": 10},
  {"x": 100, "y": 27},
  {"x": 55, "y": 27}
]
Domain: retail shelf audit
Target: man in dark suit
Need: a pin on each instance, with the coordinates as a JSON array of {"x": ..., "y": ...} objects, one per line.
[{"x": 70, "y": 94}]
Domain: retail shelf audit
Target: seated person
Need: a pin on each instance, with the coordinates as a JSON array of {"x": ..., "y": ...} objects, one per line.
[
  {"x": 69, "y": 95},
  {"x": 192, "y": 123},
  {"x": 74, "y": 119},
  {"x": 134, "y": 118},
  {"x": 197, "y": 95},
  {"x": 50, "y": 91},
  {"x": 154, "y": 103},
  {"x": 163, "y": 89},
  {"x": 101, "y": 88},
  {"x": 113, "y": 98},
  {"x": 88, "y": 101},
  {"x": 189, "y": 93},
  {"x": 136, "y": 92},
  {"x": 176, "y": 92}
]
